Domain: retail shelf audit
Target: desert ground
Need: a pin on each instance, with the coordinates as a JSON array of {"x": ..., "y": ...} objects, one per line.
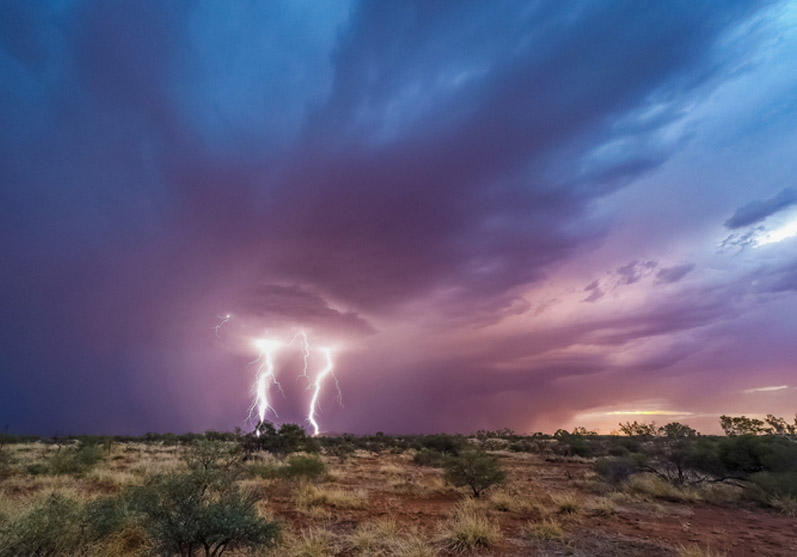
[{"x": 386, "y": 503}]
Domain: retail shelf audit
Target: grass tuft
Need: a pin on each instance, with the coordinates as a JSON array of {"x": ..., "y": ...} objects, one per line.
[
  {"x": 544, "y": 530},
  {"x": 470, "y": 529}
]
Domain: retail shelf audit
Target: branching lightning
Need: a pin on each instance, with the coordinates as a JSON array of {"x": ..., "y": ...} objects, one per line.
[
  {"x": 220, "y": 324},
  {"x": 266, "y": 376}
]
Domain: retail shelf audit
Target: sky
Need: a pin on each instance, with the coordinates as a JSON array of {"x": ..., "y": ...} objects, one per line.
[{"x": 528, "y": 215}]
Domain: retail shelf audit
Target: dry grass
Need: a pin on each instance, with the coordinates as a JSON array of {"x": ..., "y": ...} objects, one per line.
[
  {"x": 602, "y": 506},
  {"x": 567, "y": 504},
  {"x": 412, "y": 546},
  {"x": 508, "y": 500},
  {"x": 649, "y": 485},
  {"x": 697, "y": 551},
  {"x": 311, "y": 542},
  {"x": 469, "y": 529},
  {"x": 545, "y": 530},
  {"x": 785, "y": 504},
  {"x": 307, "y": 496},
  {"x": 387, "y": 537}
]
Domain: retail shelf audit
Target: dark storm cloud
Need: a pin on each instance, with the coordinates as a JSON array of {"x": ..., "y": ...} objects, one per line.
[
  {"x": 279, "y": 304},
  {"x": 452, "y": 151},
  {"x": 450, "y": 160},
  {"x": 756, "y": 211}
]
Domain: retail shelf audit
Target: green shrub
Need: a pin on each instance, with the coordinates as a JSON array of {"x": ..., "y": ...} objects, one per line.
[
  {"x": 51, "y": 528},
  {"x": 429, "y": 457},
  {"x": 775, "y": 484},
  {"x": 5, "y": 463},
  {"x": 211, "y": 454},
  {"x": 290, "y": 438},
  {"x": 615, "y": 470},
  {"x": 184, "y": 514},
  {"x": 108, "y": 515},
  {"x": 304, "y": 466},
  {"x": 74, "y": 460},
  {"x": 441, "y": 443},
  {"x": 475, "y": 469}
]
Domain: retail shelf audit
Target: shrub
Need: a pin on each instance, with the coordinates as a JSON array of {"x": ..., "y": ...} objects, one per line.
[
  {"x": 304, "y": 466},
  {"x": 208, "y": 454},
  {"x": 290, "y": 438},
  {"x": 475, "y": 469},
  {"x": 5, "y": 462},
  {"x": 51, "y": 528},
  {"x": 184, "y": 513},
  {"x": 615, "y": 470},
  {"x": 574, "y": 444},
  {"x": 429, "y": 457},
  {"x": 106, "y": 516},
  {"x": 75, "y": 460},
  {"x": 342, "y": 450}
]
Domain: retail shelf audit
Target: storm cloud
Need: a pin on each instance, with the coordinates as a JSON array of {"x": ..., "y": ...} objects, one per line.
[{"x": 419, "y": 182}]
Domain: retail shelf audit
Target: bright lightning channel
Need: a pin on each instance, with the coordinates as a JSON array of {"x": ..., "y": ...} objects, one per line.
[
  {"x": 328, "y": 369},
  {"x": 265, "y": 377}
]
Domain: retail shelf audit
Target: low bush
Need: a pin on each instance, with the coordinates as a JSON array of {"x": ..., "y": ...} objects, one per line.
[
  {"x": 5, "y": 462},
  {"x": 615, "y": 470},
  {"x": 304, "y": 466},
  {"x": 429, "y": 457},
  {"x": 184, "y": 514},
  {"x": 74, "y": 460},
  {"x": 475, "y": 469},
  {"x": 52, "y": 527}
]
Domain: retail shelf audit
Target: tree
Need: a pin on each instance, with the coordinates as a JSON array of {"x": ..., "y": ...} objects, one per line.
[
  {"x": 677, "y": 431},
  {"x": 637, "y": 429},
  {"x": 779, "y": 426},
  {"x": 474, "y": 468},
  {"x": 288, "y": 439},
  {"x": 741, "y": 425}
]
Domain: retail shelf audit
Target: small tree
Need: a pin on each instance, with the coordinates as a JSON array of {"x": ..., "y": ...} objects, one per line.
[
  {"x": 185, "y": 514},
  {"x": 676, "y": 431},
  {"x": 636, "y": 429},
  {"x": 288, "y": 439},
  {"x": 207, "y": 454},
  {"x": 476, "y": 469}
]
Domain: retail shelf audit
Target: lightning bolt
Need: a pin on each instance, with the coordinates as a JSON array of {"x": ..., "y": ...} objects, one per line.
[
  {"x": 328, "y": 369},
  {"x": 224, "y": 319},
  {"x": 266, "y": 376}
]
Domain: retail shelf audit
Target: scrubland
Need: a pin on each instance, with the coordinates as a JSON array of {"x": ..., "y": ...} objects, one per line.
[{"x": 494, "y": 493}]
